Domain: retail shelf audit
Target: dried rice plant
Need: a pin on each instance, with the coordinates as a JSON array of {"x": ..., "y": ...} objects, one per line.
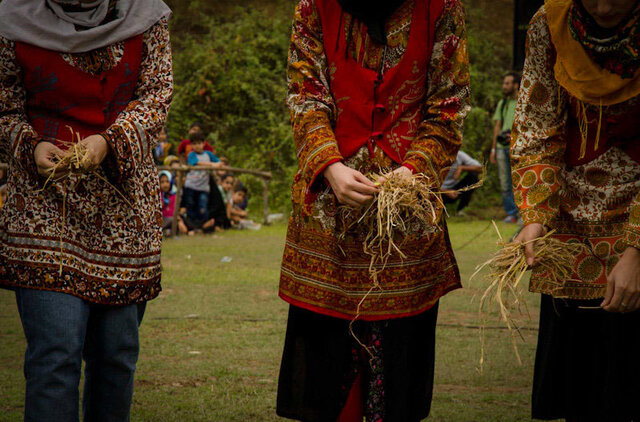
[
  {"x": 401, "y": 202},
  {"x": 403, "y": 205},
  {"x": 507, "y": 268},
  {"x": 73, "y": 162}
]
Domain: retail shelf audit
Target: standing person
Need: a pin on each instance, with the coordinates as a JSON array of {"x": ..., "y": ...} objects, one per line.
[
  {"x": 372, "y": 85},
  {"x": 196, "y": 186},
  {"x": 454, "y": 182},
  {"x": 83, "y": 259},
  {"x": 163, "y": 148},
  {"x": 576, "y": 160},
  {"x": 503, "y": 120},
  {"x": 185, "y": 148}
]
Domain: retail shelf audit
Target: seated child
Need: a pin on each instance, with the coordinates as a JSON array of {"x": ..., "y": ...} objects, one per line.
[
  {"x": 169, "y": 203},
  {"x": 174, "y": 162},
  {"x": 226, "y": 187},
  {"x": 237, "y": 215},
  {"x": 197, "y": 186},
  {"x": 245, "y": 202},
  {"x": 225, "y": 163}
]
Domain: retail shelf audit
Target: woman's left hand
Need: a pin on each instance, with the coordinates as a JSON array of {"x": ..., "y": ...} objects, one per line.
[
  {"x": 97, "y": 150},
  {"x": 623, "y": 284}
]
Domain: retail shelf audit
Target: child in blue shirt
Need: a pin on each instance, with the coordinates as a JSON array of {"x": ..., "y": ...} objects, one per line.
[{"x": 197, "y": 186}]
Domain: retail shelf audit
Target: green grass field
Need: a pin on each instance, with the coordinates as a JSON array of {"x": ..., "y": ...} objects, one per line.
[{"x": 211, "y": 343}]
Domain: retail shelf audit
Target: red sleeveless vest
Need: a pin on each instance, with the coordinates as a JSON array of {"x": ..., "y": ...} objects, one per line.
[
  {"x": 59, "y": 95},
  {"x": 375, "y": 108},
  {"x": 621, "y": 131}
]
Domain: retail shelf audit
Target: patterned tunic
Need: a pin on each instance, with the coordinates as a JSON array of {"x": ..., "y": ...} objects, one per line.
[
  {"x": 320, "y": 270},
  {"x": 110, "y": 248},
  {"x": 595, "y": 204}
]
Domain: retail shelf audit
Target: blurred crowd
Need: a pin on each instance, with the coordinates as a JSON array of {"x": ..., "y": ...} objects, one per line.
[{"x": 213, "y": 199}]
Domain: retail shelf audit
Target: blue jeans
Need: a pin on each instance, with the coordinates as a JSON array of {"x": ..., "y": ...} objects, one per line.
[
  {"x": 506, "y": 185},
  {"x": 197, "y": 204},
  {"x": 61, "y": 330}
]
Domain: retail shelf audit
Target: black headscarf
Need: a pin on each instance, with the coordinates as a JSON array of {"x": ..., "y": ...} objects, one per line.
[{"x": 373, "y": 13}]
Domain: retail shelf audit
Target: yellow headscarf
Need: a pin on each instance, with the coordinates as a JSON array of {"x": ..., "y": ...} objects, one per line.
[{"x": 576, "y": 72}]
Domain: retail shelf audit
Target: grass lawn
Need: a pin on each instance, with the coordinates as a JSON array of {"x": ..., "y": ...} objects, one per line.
[{"x": 211, "y": 342}]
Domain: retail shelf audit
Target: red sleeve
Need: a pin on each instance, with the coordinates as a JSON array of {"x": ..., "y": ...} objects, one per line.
[{"x": 182, "y": 148}]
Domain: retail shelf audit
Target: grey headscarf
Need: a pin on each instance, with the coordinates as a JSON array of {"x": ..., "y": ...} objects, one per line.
[{"x": 48, "y": 24}]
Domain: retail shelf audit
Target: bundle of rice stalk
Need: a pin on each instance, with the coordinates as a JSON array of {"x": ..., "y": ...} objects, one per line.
[
  {"x": 403, "y": 205},
  {"x": 73, "y": 161},
  {"x": 507, "y": 268}
]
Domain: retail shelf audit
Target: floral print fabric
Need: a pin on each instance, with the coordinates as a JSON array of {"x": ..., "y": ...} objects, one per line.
[
  {"x": 313, "y": 108},
  {"x": 595, "y": 204},
  {"x": 322, "y": 270},
  {"x": 110, "y": 248}
]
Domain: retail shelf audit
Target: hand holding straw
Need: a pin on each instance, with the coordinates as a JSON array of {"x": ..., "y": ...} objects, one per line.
[
  {"x": 507, "y": 269},
  {"x": 81, "y": 157},
  {"x": 352, "y": 188},
  {"x": 403, "y": 201}
]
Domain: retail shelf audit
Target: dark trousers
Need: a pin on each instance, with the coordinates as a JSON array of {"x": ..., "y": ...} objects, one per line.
[
  {"x": 61, "y": 330},
  {"x": 465, "y": 197},
  {"x": 197, "y": 204},
  {"x": 587, "y": 367}
]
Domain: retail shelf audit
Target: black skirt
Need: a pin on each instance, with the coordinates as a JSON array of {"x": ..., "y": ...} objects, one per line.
[
  {"x": 587, "y": 364},
  {"x": 321, "y": 360}
]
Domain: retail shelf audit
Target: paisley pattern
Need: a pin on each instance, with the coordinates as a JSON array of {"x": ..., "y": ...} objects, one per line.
[
  {"x": 595, "y": 204},
  {"x": 106, "y": 249}
]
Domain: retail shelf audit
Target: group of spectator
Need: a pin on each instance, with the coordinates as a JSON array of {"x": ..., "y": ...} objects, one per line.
[{"x": 212, "y": 199}]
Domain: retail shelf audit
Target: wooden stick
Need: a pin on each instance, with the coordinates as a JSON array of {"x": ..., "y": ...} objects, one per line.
[
  {"x": 265, "y": 201},
  {"x": 260, "y": 173},
  {"x": 263, "y": 174},
  {"x": 176, "y": 208}
]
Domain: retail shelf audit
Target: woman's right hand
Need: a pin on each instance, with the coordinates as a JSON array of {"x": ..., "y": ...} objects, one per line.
[
  {"x": 45, "y": 156},
  {"x": 350, "y": 186},
  {"x": 529, "y": 233}
]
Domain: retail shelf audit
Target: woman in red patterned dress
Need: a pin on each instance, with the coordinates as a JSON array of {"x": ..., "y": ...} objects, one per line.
[
  {"x": 372, "y": 85},
  {"x": 82, "y": 258}
]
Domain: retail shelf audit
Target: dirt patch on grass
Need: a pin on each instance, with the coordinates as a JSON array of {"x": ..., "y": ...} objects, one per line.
[
  {"x": 457, "y": 388},
  {"x": 175, "y": 383}
]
